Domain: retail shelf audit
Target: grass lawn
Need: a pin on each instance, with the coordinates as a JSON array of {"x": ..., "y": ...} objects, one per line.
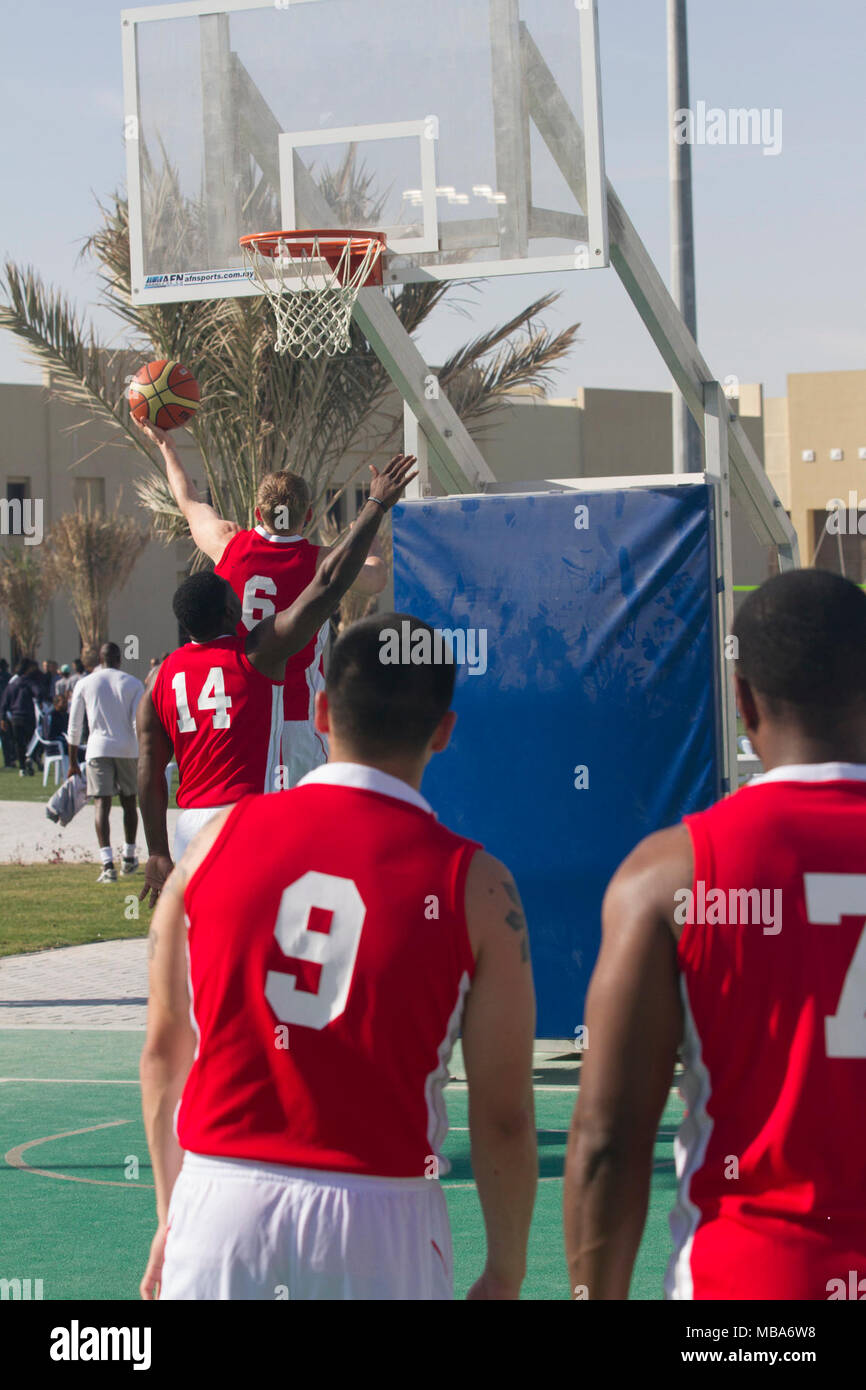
[
  {"x": 47, "y": 905},
  {"x": 15, "y": 788}
]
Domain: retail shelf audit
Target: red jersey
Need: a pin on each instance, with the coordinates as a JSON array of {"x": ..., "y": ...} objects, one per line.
[
  {"x": 224, "y": 718},
  {"x": 772, "y": 1153},
  {"x": 268, "y": 573},
  {"x": 327, "y": 981}
]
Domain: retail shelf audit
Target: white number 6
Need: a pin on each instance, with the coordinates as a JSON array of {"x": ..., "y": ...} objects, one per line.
[{"x": 336, "y": 950}]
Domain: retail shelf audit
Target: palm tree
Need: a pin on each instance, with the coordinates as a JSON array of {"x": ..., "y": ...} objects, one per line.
[
  {"x": 262, "y": 412},
  {"x": 27, "y": 584},
  {"x": 93, "y": 553}
]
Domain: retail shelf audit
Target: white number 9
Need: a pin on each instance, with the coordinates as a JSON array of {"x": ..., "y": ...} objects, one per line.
[{"x": 335, "y": 951}]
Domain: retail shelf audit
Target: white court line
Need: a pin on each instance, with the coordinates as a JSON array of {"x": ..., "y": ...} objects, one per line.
[
  {"x": 67, "y": 1081},
  {"x": 452, "y": 1186},
  {"x": 14, "y": 1157},
  {"x": 464, "y": 1129}
]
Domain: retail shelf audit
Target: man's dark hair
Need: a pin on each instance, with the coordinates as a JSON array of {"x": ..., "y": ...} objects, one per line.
[
  {"x": 109, "y": 654},
  {"x": 380, "y": 708},
  {"x": 4, "y": 664},
  {"x": 79, "y": 665},
  {"x": 802, "y": 643},
  {"x": 200, "y": 603}
]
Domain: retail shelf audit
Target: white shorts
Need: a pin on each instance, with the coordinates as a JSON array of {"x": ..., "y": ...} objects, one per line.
[
  {"x": 254, "y": 1231},
  {"x": 189, "y": 823},
  {"x": 303, "y": 749}
]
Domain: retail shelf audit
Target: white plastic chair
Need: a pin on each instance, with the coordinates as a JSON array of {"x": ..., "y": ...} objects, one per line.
[{"x": 60, "y": 763}]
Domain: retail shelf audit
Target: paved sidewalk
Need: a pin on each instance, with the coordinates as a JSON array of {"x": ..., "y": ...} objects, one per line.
[
  {"x": 103, "y": 985},
  {"x": 27, "y": 836}
]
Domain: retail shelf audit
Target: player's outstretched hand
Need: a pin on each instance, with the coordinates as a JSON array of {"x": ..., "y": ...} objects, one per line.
[
  {"x": 387, "y": 486},
  {"x": 149, "y": 1286},
  {"x": 156, "y": 871},
  {"x": 151, "y": 432}
]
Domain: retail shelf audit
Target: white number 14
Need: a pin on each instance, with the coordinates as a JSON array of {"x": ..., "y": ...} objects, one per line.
[{"x": 212, "y": 697}]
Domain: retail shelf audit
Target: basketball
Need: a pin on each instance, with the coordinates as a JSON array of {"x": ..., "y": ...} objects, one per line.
[{"x": 164, "y": 394}]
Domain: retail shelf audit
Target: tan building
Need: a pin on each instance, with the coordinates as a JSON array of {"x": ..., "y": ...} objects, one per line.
[
  {"x": 816, "y": 455},
  {"x": 45, "y": 455}
]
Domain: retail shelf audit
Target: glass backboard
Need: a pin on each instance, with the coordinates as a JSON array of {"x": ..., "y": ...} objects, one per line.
[{"x": 469, "y": 131}]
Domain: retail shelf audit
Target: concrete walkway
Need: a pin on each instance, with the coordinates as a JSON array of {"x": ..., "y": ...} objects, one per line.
[
  {"x": 27, "y": 836},
  {"x": 103, "y": 985}
]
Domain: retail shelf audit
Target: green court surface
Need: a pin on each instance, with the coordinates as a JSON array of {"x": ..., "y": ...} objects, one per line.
[{"x": 83, "y": 1221}]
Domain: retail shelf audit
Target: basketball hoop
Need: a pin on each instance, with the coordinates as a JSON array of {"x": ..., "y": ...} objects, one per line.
[{"x": 311, "y": 281}]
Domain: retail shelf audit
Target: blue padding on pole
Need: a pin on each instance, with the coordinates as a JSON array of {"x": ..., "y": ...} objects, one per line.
[{"x": 599, "y": 655}]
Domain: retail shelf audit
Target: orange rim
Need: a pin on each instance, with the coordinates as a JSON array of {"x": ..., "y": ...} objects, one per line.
[{"x": 331, "y": 245}]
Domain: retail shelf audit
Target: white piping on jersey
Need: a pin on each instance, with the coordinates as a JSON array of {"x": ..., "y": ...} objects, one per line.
[
  {"x": 812, "y": 772},
  {"x": 275, "y": 740},
  {"x": 437, "y": 1114},
  {"x": 276, "y": 540},
  {"x": 316, "y": 681},
  {"x": 194, "y": 643},
  {"x": 690, "y": 1147},
  {"x": 363, "y": 778},
  {"x": 192, "y": 1018}
]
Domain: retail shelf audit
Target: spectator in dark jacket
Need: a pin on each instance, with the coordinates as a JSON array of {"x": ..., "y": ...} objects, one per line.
[
  {"x": 17, "y": 710},
  {"x": 6, "y": 733}
]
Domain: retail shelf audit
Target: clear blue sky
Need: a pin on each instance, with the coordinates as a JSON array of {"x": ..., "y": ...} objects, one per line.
[{"x": 781, "y": 281}]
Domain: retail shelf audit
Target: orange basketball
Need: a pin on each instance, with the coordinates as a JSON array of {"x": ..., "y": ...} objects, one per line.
[{"x": 165, "y": 393}]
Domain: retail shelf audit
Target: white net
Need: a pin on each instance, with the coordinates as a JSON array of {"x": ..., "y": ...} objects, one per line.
[{"x": 312, "y": 286}]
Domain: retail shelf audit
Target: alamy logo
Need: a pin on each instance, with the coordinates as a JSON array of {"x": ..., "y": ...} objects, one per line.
[
  {"x": 19, "y": 518},
  {"x": 434, "y": 647},
  {"x": 77, "y": 1343},
  {"x": 21, "y": 1288},
  {"x": 710, "y": 125},
  {"x": 738, "y": 906}
]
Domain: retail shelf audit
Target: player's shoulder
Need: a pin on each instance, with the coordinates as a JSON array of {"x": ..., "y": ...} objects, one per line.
[{"x": 237, "y": 545}]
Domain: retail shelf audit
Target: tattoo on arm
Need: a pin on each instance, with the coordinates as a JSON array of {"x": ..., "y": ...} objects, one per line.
[{"x": 516, "y": 919}]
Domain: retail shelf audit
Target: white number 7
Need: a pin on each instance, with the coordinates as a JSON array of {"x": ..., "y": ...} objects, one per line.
[{"x": 829, "y": 898}]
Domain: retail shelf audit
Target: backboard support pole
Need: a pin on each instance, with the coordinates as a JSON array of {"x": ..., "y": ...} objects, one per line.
[
  {"x": 220, "y": 137},
  {"x": 717, "y": 419},
  {"x": 563, "y": 136},
  {"x": 415, "y": 442},
  {"x": 454, "y": 456},
  {"x": 511, "y": 128}
]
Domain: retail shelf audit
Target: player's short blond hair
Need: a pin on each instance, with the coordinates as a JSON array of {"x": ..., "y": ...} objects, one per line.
[{"x": 283, "y": 500}]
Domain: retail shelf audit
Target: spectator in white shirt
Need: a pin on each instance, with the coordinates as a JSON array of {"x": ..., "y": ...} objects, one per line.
[{"x": 109, "y": 697}]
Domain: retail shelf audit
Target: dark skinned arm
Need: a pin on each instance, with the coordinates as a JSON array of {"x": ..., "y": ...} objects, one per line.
[
  {"x": 154, "y": 756},
  {"x": 273, "y": 641},
  {"x": 634, "y": 1024}
]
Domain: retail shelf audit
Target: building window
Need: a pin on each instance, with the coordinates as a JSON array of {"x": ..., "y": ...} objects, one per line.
[
  {"x": 89, "y": 494},
  {"x": 335, "y": 510},
  {"x": 808, "y": 455},
  {"x": 841, "y": 549}
]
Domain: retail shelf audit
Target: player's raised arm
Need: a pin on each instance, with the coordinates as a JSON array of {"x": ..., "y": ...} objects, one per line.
[
  {"x": 373, "y": 578},
  {"x": 498, "y": 1033},
  {"x": 273, "y": 641},
  {"x": 634, "y": 1025},
  {"x": 210, "y": 532},
  {"x": 154, "y": 756}
]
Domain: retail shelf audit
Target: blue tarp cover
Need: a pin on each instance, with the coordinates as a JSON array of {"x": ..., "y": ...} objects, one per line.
[{"x": 600, "y": 656}]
